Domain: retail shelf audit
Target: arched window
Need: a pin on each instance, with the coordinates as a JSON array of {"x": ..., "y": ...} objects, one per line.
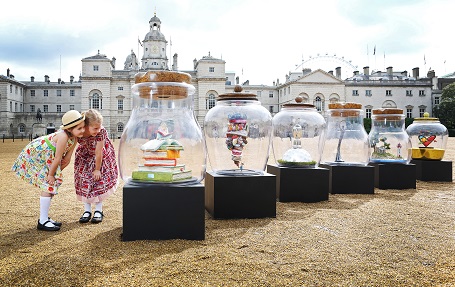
[
  {"x": 96, "y": 102},
  {"x": 120, "y": 127},
  {"x": 21, "y": 128},
  {"x": 318, "y": 103},
  {"x": 210, "y": 102}
]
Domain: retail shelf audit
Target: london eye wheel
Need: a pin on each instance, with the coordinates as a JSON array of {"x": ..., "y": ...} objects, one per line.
[{"x": 328, "y": 63}]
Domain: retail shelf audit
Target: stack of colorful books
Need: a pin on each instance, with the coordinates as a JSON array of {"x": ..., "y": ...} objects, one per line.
[{"x": 160, "y": 162}]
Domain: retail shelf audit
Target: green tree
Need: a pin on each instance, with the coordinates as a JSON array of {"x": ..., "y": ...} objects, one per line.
[{"x": 445, "y": 111}]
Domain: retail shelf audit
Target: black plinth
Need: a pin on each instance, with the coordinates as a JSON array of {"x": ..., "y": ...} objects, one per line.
[
  {"x": 394, "y": 176},
  {"x": 350, "y": 179},
  {"x": 433, "y": 170},
  {"x": 228, "y": 197},
  {"x": 157, "y": 212},
  {"x": 300, "y": 184}
]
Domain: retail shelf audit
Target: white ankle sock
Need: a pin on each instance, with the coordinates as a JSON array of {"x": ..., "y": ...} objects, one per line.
[
  {"x": 44, "y": 205},
  {"x": 88, "y": 207},
  {"x": 99, "y": 206}
]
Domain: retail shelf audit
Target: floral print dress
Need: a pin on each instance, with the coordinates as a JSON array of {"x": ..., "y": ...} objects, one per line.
[
  {"x": 87, "y": 189},
  {"x": 34, "y": 161}
]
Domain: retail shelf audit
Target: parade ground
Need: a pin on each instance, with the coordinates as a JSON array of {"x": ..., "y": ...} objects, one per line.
[{"x": 389, "y": 238}]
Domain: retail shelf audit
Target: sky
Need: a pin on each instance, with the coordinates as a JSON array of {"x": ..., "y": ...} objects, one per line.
[{"x": 261, "y": 41}]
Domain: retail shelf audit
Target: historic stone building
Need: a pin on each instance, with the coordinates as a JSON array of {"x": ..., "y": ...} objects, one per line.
[{"x": 36, "y": 107}]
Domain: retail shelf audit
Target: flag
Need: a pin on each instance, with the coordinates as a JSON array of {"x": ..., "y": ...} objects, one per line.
[
  {"x": 424, "y": 61},
  {"x": 374, "y": 50},
  {"x": 139, "y": 42}
]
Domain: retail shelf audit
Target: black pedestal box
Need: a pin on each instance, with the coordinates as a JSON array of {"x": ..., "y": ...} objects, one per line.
[
  {"x": 433, "y": 170},
  {"x": 300, "y": 184},
  {"x": 228, "y": 197},
  {"x": 394, "y": 176},
  {"x": 350, "y": 179},
  {"x": 158, "y": 211}
]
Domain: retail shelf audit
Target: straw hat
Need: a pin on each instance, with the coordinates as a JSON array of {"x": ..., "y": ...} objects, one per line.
[{"x": 72, "y": 118}]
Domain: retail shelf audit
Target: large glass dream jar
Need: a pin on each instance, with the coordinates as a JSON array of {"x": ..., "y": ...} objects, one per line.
[
  {"x": 428, "y": 138},
  {"x": 297, "y": 129},
  {"x": 389, "y": 142},
  {"x": 345, "y": 141},
  {"x": 237, "y": 133},
  {"x": 162, "y": 141}
]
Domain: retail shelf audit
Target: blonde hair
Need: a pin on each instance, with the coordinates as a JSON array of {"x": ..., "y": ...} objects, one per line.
[{"x": 93, "y": 116}]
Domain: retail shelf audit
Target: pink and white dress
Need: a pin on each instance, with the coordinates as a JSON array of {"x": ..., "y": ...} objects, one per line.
[{"x": 87, "y": 189}]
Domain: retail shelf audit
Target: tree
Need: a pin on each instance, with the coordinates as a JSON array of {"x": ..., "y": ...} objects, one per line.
[{"x": 445, "y": 111}]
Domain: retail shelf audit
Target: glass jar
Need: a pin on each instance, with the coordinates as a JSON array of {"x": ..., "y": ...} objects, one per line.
[
  {"x": 428, "y": 138},
  {"x": 162, "y": 141},
  {"x": 297, "y": 129},
  {"x": 237, "y": 133},
  {"x": 345, "y": 141},
  {"x": 389, "y": 142}
]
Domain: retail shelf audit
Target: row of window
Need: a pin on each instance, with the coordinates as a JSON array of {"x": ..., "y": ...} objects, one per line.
[
  {"x": 46, "y": 93},
  {"x": 259, "y": 94},
  {"x": 408, "y": 112},
  {"x": 120, "y": 127},
  {"x": 388, "y": 93},
  {"x": 16, "y": 89}
]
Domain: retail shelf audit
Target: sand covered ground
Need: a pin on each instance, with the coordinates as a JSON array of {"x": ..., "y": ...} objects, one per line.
[{"x": 391, "y": 238}]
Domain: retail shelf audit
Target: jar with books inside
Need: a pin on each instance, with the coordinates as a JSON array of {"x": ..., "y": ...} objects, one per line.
[
  {"x": 389, "y": 142},
  {"x": 237, "y": 131},
  {"x": 162, "y": 141},
  {"x": 297, "y": 129},
  {"x": 428, "y": 138}
]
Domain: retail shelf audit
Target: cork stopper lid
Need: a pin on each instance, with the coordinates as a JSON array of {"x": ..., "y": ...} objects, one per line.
[
  {"x": 298, "y": 104},
  {"x": 237, "y": 95},
  {"x": 388, "y": 113},
  {"x": 347, "y": 109},
  {"x": 347, "y": 105},
  {"x": 169, "y": 84}
]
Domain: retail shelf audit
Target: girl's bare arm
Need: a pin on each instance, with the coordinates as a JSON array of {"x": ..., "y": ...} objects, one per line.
[{"x": 98, "y": 159}]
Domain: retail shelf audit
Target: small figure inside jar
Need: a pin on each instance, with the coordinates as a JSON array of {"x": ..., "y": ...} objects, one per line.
[
  {"x": 297, "y": 156},
  {"x": 236, "y": 137}
]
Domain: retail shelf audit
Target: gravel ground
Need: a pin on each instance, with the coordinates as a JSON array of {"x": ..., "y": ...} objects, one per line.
[{"x": 391, "y": 238}]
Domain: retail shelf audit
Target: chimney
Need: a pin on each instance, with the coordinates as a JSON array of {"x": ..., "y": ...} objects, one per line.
[
  {"x": 366, "y": 71},
  {"x": 71, "y": 79},
  {"x": 59, "y": 80},
  {"x": 32, "y": 79},
  {"x": 194, "y": 63},
  {"x": 415, "y": 73},
  {"x": 331, "y": 72},
  {"x": 431, "y": 74},
  {"x": 46, "y": 78},
  {"x": 389, "y": 71},
  {"x": 338, "y": 72},
  {"x": 174, "y": 62},
  {"x": 7, "y": 72}
]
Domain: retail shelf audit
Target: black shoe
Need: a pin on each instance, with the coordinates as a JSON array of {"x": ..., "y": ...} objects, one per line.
[
  {"x": 47, "y": 228},
  {"x": 56, "y": 223},
  {"x": 97, "y": 219},
  {"x": 85, "y": 219}
]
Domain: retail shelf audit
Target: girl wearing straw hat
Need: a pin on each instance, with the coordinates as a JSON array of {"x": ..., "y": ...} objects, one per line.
[{"x": 41, "y": 163}]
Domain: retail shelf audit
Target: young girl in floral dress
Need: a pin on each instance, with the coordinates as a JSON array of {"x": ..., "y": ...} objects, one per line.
[
  {"x": 95, "y": 167},
  {"x": 41, "y": 163}
]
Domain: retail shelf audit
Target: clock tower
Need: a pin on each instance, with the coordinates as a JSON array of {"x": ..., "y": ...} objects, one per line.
[{"x": 155, "y": 44}]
